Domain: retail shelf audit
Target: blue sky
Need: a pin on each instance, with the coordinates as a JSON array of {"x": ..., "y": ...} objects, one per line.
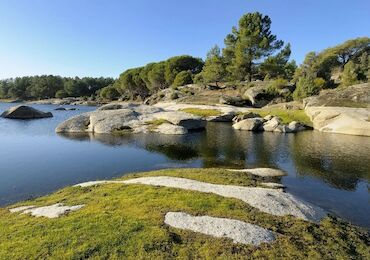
[{"x": 105, "y": 37}]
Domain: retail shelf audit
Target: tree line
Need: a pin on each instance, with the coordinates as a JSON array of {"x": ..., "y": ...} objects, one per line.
[
  {"x": 49, "y": 86},
  {"x": 251, "y": 52}
]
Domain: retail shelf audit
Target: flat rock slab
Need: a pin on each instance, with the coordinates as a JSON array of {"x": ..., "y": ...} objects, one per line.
[
  {"x": 238, "y": 231},
  {"x": 20, "y": 209},
  {"x": 273, "y": 185},
  {"x": 52, "y": 211},
  {"x": 267, "y": 200},
  {"x": 262, "y": 172},
  {"x": 94, "y": 183}
]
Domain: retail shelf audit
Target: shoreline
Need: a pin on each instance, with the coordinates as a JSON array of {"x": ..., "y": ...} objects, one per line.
[{"x": 107, "y": 211}]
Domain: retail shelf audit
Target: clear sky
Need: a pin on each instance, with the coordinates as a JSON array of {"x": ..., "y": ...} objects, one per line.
[{"x": 105, "y": 37}]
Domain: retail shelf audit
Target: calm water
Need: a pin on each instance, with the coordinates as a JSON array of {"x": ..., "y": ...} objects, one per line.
[{"x": 332, "y": 171}]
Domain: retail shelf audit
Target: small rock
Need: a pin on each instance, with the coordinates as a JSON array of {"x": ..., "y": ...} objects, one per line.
[
  {"x": 250, "y": 124},
  {"x": 295, "y": 126},
  {"x": 241, "y": 117},
  {"x": 272, "y": 124},
  {"x": 268, "y": 117},
  {"x": 60, "y": 109}
]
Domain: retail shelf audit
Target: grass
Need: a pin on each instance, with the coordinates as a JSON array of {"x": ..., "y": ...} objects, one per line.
[
  {"x": 202, "y": 112},
  {"x": 126, "y": 222},
  {"x": 157, "y": 122},
  {"x": 286, "y": 115}
]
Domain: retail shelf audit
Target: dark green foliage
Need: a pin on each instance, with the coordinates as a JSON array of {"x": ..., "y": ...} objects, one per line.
[
  {"x": 175, "y": 65},
  {"x": 349, "y": 75},
  {"x": 214, "y": 69},
  {"x": 142, "y": 81},
  {"x": 130, "y": 83},
  {"x": 156, "y": 76},
  {"x": 109, "y": 93},
  {"x": 61, "y": 94},
  {"x": 40, "y": 87},
  {"x": 305, "y": 87},
  {"x": 335, "y": 58},
  {"x": 278, "y": 65},
  {"x": 248, "y": 44},
  {"x": 183, "y": 78}
]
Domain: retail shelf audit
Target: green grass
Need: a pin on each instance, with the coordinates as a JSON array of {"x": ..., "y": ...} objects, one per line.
[
  {"x": 157, "y": 122},
  {"x": 286, "y": 115},
  {"x": 202, "y": 112},
  {"x": 126, "y": 222}
]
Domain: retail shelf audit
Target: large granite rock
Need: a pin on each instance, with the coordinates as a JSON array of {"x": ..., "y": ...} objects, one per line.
[
  {"x": 353, "y": 96},
  {"x": 341, "y": 120},
  {"x": 25, "y": 112},
  {"x": 136, "y": 118},
  {"x": 234, "y": 101},
  {"x": 256, "y": 96},
  {"x": 250, "y": 124}
]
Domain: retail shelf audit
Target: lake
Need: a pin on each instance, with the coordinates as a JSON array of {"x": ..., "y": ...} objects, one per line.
[{"x": 329, "y": 170}]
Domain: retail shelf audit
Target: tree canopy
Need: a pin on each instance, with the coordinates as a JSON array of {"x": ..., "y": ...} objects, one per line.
[{"x": 49, "y": 86}]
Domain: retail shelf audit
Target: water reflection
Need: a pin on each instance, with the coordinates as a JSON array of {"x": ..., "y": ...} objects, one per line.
[{"x": 340, "y": 160}]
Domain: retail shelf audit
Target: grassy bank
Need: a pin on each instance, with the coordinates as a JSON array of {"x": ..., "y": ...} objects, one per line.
[
  {"x": 126, "y": 221},
  {"x": 286, "y": 115},
  {"x": 202, "y": 112}
]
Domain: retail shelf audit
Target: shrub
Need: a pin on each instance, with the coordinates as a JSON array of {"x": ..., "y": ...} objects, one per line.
[
  {"x": 183, "y": 78},
  {"x": 279, "y": 83},
  {"x": 349, "y": 75},
  {"x": 305, "y": 87},
  {"x": 110, "y": 93},
  {"x": 319, "y": 82},
  {"x": 61, "y": 94}
]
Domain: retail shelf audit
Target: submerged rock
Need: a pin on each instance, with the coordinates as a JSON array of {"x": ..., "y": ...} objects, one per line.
[
  {"x": 238, "y": 231},
  {"x": 25, "y": 112}
]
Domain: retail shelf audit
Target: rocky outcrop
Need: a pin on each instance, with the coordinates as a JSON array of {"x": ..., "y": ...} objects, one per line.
[
  {"x": 130, "y": 117},
  {"x": 269, "y": 124},
  {"x": 352, "y": 96},
  {"x": 340, "y": 120},
  {"x": 256, "y": 95},
  {"x": 227, "y": 112},
  {"x": 235, "y": 101},
  {"x": 25, "y": 112}
]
